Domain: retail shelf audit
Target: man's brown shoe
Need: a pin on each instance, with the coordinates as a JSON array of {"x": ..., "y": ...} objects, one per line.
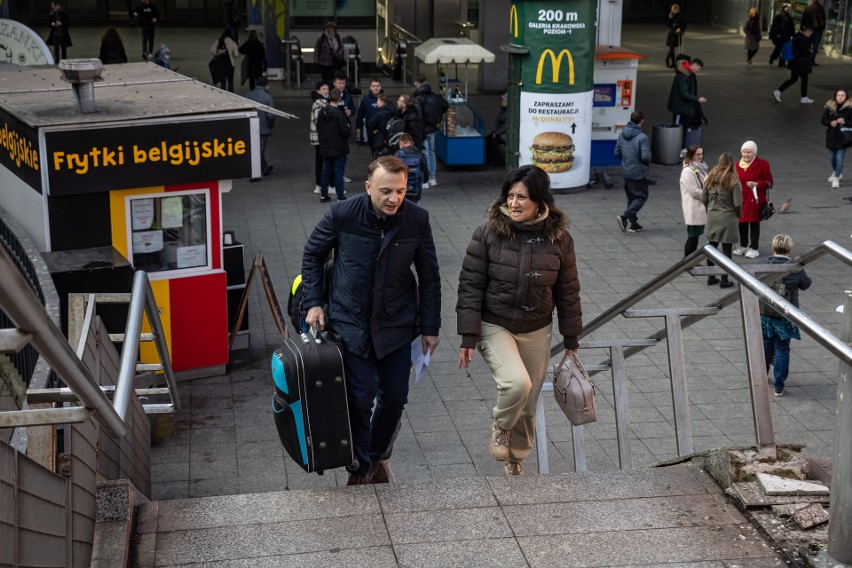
[
  {"x": 498, "y": 442},
  {"x": 380, "y": 472}
]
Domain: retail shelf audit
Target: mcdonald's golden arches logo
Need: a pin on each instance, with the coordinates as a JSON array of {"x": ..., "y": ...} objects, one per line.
[
  {"x": 513, "y": 20},
  {"x": 555, "y": 63}
]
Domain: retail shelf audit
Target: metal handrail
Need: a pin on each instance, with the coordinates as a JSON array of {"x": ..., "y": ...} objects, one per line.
[
  {"x": 23, "y": 308},
  {"x": 141, "y": 303},
  {"x": 757, "y": 286}
]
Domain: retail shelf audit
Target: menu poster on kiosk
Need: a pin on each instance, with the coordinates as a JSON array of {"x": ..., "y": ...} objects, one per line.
[{"x": 557, "y": 86}]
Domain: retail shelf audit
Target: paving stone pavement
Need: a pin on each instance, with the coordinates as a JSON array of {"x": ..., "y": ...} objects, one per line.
[{"x": 224, "y": 441}]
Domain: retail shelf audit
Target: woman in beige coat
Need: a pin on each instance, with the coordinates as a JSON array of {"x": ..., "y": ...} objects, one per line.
[
  {"x": 691, "y": 184},
  {"x": 226, "y": 44},
  {"x": 722, "y": 195}
]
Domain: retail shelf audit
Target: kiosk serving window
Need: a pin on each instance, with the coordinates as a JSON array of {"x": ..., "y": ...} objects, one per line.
[{"x": 169, "y": 231}]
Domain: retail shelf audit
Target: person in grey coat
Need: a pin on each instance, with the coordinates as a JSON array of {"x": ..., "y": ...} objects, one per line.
[
  {"x": 634, "y": 151},
  {"x": 260, "y": 94},
  {"x": 723, "y": 199}
]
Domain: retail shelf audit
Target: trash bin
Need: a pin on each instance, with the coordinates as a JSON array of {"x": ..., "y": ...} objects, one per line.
[{"x": 666, "y": 144}]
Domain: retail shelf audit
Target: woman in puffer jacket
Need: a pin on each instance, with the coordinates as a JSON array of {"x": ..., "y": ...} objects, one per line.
[
  {"x": 519, "y": 266},
  {"x": 837, "y": 115}
]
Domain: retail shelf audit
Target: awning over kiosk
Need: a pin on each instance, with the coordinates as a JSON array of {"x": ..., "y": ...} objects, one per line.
[{"x": 452, "y": 50}]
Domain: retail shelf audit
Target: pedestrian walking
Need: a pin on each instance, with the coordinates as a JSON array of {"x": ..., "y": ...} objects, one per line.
[
  {"x": 147, "y": 16},
  {"x": 777, "y": 331},
  {"x": 260, "y": 94},
  {"x": 431, "y": 107},
  {"x": 755, "y": 180},
  {"x": 495, "y": 141},
  {"x": 226, "y": 45},
  {"x": 319, "y": 99},
  {"x": 112, "y": 48},
  {"x": 254, "y": 53},
  {"x": 800, "y": 65},
  {"x": 333, "y": 129},
  {"x": 723, "y": 199},
  {"x": 328, "y": 52},
  {"x": 837, "y": 114},
  {"x": 753, "y": 35},
  {"x": 376, "y": 304},
  {"x": 378, "y": 125},
  {"x": 634, "y": 151},
  {"x": 781, "y": 30},
  {"x": 814, "y": 18},
  {"x": 506, "y": 314},
  {"x": 684, "y": 103},
  {"x": 412, "y": 123},
  {"x": 59, "y": 37},
  {"x": 366, "y": 111},
  {"x": 691, "y": 196},
  {"x": 674, "y": 39}
]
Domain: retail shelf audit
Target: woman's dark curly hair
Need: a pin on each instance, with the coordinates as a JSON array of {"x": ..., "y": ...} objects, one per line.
[{"x": 537, "y": 182}]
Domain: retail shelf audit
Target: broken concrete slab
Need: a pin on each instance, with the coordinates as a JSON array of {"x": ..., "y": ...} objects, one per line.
[
  {"x": 811, "y": 516},
  {"x": 777, "y": 485},
  {"x": 788, "y": 510},
  {"x": 751, "y": 494}
]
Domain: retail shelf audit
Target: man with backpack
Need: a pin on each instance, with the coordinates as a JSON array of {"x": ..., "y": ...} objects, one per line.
[
  {"x": 333, "y": 128},
  {"x": 378, "y": 125},
  {"x": 417, "y": 167},
  {"x": 432, "y": 107},
  {"x": 412, "y": 123}
]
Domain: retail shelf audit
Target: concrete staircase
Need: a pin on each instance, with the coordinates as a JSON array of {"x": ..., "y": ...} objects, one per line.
[{"x": 674, "y": 516}]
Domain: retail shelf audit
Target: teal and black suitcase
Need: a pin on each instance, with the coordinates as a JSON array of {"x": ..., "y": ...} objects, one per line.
[{"x": 309, "y": 404}]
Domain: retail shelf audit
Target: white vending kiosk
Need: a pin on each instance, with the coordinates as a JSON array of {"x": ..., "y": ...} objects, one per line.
[{"x": 613, "y": 101}]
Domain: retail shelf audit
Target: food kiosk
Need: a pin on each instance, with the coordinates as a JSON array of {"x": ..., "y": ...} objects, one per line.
[
  {"x": 460, "y": 140},
  {"x": 133, "y": 158}
]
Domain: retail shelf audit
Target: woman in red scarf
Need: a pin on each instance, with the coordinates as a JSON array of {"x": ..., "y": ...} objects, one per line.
[{"x": 755, "y": 179}]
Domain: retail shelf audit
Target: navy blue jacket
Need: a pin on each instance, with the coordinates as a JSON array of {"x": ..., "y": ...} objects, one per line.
[
  {"x": 794, "y": 281},
  {"x": 374, "y": 299}
]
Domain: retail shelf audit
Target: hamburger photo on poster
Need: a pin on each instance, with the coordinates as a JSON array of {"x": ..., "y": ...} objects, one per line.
[{"x": 555, "y": 135}]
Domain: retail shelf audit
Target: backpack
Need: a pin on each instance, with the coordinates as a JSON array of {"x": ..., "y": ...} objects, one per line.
[
  {"x": 415, "y": 174},
  {"x": 393, "y": 130},
  {"x": 787, "y": 50},
  {"x": 294, "y": 301},
  {"x": 434, "y": 107},
  {"x": 781, "y": 289}
]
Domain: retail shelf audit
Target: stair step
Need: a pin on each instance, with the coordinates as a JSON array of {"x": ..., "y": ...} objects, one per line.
[
  {"x": 651, "y": 517},
  {"x": 119, "y": 337},
  {"x": 142, "y": 367}
]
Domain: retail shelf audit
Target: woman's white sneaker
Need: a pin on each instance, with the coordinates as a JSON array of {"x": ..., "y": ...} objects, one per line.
[
  {"x": 739, "y": 251},
  {"x": 752, "y": 253}
]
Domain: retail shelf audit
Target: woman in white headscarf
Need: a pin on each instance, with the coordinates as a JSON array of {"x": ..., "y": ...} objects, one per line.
[{"x": 756, "y": 180}]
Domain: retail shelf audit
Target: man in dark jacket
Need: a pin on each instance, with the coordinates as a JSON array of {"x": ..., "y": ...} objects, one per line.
[
  {"x": 634, "y": 151},
  {"x": 814, "y": 18},
  {"x": 260, "y": 94},
  {"x": 378, "y": 125},
  {"x": 782, "y": 29},
  {"x": 375, "y": 304},
  {"x": 411, "y": 116},
  {"x": 367, "y": 110},
  {"x": 684, "y": 102},
  {"x": 431, "y": 107},
  {"x": 800, "y": 66},
  {"x": 333, "y": 129},
  {"x": 147, "y": 15}
]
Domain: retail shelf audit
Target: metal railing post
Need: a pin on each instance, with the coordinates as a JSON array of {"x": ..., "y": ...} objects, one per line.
[{"x": 840, "y": 515}]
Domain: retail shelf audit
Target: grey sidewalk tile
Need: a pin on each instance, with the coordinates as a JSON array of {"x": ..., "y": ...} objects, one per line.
[
  {"x": 311, "y": 535},
  {"x": 374, "y": 556},
  {"x": 168, "y": 454},
  {"x": 212, "y": 419},
  {"x": 256, "y": 433},
  {"x": 170, "y": 471},
  {"x": 621, "y": 515},
  {"x": 164, "y": 491},
  {"x": 643, "y": 547},
  {"x": 442, "y": 448},
  {"x": 212, "y": 435},
  {"x": 206, "y": 487},
  {"x": 255, "y": 450},
  {"x": 444, "y": 494},
  {"x": 486, "y": 553},
  {"x": 603, "y": 486},
  {"x": 251, "y": 510},
  {"x": 447, "y": 525}
]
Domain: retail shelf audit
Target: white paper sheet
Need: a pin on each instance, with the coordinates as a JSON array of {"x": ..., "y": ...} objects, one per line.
[{"x": 419, "y": 361}]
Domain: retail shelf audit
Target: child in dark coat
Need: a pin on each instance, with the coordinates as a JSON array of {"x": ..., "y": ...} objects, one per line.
[{"x": 417, "y": 168}]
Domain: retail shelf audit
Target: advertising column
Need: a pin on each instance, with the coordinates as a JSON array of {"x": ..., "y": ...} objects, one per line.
[{"x": 556, "y": 86}]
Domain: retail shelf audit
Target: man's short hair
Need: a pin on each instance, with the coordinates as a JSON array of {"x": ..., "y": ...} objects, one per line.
[
  {"x": 782, "y": 243},
  {"x": 420, "y": 78},
  {"x": 683, "y": 57},
  {"x": 320, "y": 85},
  {"x": 334, "y": 95},
  {"x": 637, "y": 116},
  {"x": 406, "y": 138},
  {"x": 698, "y": 62},
  {"x": 391, "y": 164},
  {"x": 386, "y": 99},
  {"x": 339, "y": 76},
  {"x": 376, "y": 80}
]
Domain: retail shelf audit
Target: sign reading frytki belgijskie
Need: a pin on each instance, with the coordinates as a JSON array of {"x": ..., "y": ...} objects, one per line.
[
  {"x": 140, "y": 155},
  {"x": 557, "y": 86},
  {"x": 19, "y": 149}
]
